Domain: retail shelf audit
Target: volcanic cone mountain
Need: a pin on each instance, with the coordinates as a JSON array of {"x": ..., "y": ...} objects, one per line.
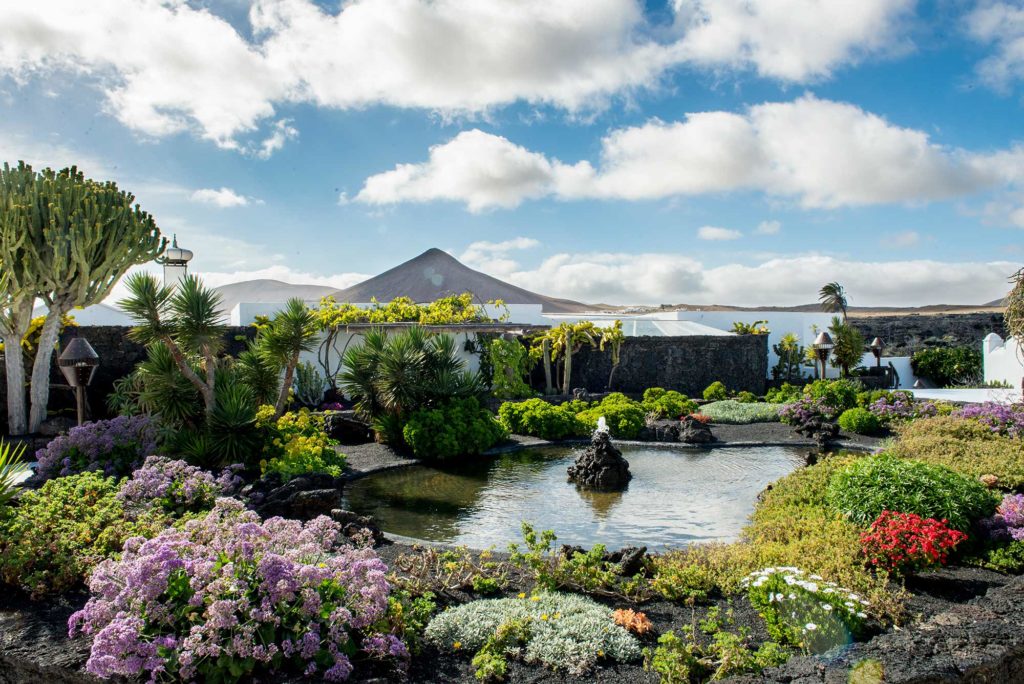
[{"x": 436, "y": 274}]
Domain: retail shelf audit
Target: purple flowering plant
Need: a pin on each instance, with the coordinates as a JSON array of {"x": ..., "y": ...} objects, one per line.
[
  {"x": 805, "y": 409},
  {"x": 1008, "y": 522},
  {"x": 900, "y": 406},
  {"x": 229, "y": 598},
  {"x": 175, "y": 486},
  {"x": 113, "y": 447},
  {"x": 1002, "y": 419}
]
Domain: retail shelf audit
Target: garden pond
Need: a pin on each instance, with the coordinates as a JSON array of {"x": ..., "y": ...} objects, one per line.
[{"x": 677, "y": 496}]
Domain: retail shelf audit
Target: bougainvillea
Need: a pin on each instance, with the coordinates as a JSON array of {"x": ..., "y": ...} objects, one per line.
[
  {"x": 1000, "y": 418},
  {"x": 804, "y": 610},
  {"x": 229, "y": 598},
  {"x": 114, "y": 447},
  {"x": 174, "y": 486},
  {"x": 904, "y": 542}
]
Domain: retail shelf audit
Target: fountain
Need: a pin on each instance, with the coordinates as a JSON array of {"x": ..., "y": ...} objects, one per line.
[{"x": 601, "y": 466}]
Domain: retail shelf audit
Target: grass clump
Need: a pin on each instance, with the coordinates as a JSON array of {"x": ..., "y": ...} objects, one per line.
[
  {"x": 863, "y": 490},
  {"x": 733, "y": 412},
  {"x": 965, "y": 446}
]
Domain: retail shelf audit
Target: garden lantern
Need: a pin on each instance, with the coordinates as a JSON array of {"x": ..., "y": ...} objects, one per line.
[
  {"x": 876, "y": 348},
  {"x": 78, "y": 363},
  {"x": 823, "y": 346},
  {"x": 175, "y": 262}
]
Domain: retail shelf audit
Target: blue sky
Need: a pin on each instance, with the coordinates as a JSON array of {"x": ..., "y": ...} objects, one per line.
[{"x": 695, "y": 151}]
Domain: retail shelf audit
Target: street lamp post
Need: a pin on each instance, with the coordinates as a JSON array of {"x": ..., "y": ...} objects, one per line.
[
  {"x": 78, "y": 363},
  {"x": 823, "y": 346},
  {"x": 876, "y": 348}
]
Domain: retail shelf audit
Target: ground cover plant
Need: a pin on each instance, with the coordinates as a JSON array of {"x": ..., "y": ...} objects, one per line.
[
  {"x": 113, "y": 447},
  {"x": 966, "y": 446},
  {"x": 733, "y": 412},
  {"x": 904, "y": 542},
  {"x": 565, "y": 632},
  {"x": 1000, "y": 418},
  {"x": 265, "y": 597}
]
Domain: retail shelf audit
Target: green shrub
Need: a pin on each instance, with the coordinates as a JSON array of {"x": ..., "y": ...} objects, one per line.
[
  {"x": 745, "y": 397},
  {"x": 785, "y": 394},
  {"x": 1005, "y": 558},
  {"x": 667, "y": 403},
  {"x": 716, "y": 391},
  {"x": 539, "y": 418},
  {"x": 625, "y": 417},
  {"x": 298, "y": 444},
  {"x": 838, "y": 395},
  {"x": 565, "y": 632},
  {"x": 860, "y": 421},
  {"x": 459, "y": 427},
  {"x": 733, "y": 412},
  {"x": 965, "y": 446},
  {"x": 887, "y": 483},
  {"x": 947, "y": 365},
  {"x": 58, "y": 533}
]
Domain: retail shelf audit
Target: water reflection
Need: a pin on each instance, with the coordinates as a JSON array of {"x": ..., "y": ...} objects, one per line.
[{"x": 676, "y": 496}]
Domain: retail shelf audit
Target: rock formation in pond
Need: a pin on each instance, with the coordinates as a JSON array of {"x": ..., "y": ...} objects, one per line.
[
  {"x": 819, "y": 429},
  {"x": 601, "y": 465},
  {"x": 692, "y": 431}
]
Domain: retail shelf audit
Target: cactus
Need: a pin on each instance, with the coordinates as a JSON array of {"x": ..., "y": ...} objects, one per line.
[
  {"x": 309, "y": 385},
  {"x": 81, "y": 236}
]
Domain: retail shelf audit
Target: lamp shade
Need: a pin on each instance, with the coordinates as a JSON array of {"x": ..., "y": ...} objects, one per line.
[
  {"x": 823, "y": 341},
  {"x": 877, "y": 343},
  {"x": 78, "y": 362},
  {"x": 175, "y": 255}
]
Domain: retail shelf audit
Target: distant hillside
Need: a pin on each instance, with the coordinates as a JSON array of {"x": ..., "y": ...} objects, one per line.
[
  {"x": 436, "y": 274},
  {"x": 853, "y": 311},
  {"x": 254, "y": 291}
]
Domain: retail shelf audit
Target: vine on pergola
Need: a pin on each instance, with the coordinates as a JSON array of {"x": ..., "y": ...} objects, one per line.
[{"x": 1014, "y": 313}]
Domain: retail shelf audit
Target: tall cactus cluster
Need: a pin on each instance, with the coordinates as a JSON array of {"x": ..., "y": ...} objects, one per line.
[{"x": 67, "y": 240}]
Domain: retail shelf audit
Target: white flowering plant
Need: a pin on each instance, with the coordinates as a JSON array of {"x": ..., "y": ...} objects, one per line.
[
  {"x": 566, "y": 632},
  {"x": 804, "y": 610}
]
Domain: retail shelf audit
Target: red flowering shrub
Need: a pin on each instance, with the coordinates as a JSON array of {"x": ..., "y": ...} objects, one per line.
[
  {"x": 700, "y": 418},
  {"x": 902, "y": 542}
]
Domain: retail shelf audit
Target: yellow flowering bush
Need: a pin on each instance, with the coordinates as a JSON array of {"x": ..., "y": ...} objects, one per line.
[{"x": 297, "y": 444}]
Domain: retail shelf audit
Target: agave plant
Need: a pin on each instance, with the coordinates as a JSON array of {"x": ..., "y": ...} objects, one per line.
[
  {"x": 309, "y": 385},
  {"x": 12, "y": 471}
]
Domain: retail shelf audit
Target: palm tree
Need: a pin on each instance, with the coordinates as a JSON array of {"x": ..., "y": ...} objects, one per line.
[
  {"x": 833, "y": 299},
  {"x": 186, "y": 319},
  {"x": 292, "y": 331}
]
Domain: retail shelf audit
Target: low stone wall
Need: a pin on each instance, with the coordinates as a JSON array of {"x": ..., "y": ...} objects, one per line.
[{"x": 687, "y": 364}]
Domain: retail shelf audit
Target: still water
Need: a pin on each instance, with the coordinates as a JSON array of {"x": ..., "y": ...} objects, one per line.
[{"x": 677, "y": 496}]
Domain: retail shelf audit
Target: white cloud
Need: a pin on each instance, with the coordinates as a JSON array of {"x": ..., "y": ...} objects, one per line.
[
  {"x": 999, "y": 25},
  {"x": 768, "y": 228},
  {"x": 820, "y": 153},
  {"x": 167, "y": 66},
  {"x": 281, "y": 133},
  {"x": 717, "y": 234},
  {"x": 223, "y": 198},
  {"x": 792, "y": 40},
  {"x": 494, "y": 257},
  {"x": 656, "y": 278}
]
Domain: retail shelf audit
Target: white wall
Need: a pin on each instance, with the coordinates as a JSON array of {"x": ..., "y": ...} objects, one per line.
[
  {"x": 900, "y": 363},
  {"x": 1001, "y": 360}
]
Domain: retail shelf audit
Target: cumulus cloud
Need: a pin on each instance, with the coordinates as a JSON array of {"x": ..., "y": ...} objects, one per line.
[
  {"x": 999, "y": 25},
  {"x": 656, "y": 278},
  {"x": 715, "y": 233},
  {"x": 223, "y": 198},
  {"x": 177, "y": 67},
  {"x": 820, "y": 153},
  {"x": 909, "y": 238},
  {"x": 495, "y": 257},
  {"x": 768, "y": 228}
]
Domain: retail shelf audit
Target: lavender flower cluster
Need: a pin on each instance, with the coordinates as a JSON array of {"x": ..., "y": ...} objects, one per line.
[
  {"x": 174, "y": 486},
  {"x": 900, "y": 407},
  {"x": 1008, "y": 522},
  {"x": 805, "y": 409},
  {"x": 1000, "y": 418},
  {"x": 114, "y": 447},
  {"x": 229, "y": 598}
]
